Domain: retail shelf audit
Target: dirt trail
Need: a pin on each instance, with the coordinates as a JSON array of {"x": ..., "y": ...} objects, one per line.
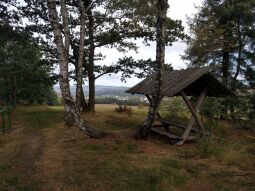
[
  {"x": 30, "y": 153},
  {"x": 29, "y": 148}
]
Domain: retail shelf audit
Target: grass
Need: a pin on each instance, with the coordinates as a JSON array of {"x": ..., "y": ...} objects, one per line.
[{"x": 41, "y": 153}]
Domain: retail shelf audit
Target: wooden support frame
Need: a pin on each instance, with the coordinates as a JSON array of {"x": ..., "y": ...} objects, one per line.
[
  {"x": 180, "y": 126},
  {"x": 193, "y": 112},
  {"x": 194, "y": 109},
  {"x": 192, "y": 120}
]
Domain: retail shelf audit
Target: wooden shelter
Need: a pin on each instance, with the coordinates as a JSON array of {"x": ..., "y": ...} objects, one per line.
[{"x": 191, "y": 82}]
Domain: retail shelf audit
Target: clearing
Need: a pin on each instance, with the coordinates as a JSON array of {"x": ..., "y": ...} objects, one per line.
[{"x": 40, "y": 153}]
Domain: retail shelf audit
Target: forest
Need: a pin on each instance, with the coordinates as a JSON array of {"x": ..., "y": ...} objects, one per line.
[{"x": 76, "y": 140}]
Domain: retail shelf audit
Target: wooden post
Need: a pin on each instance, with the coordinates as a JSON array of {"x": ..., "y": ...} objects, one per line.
[
  {"x": 192, "y": 110},
  {"x": 192, "y": 120}
]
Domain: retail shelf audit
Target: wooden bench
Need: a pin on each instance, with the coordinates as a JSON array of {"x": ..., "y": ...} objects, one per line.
[
  {"x": 171, "y": 136},
  {"x": 165, "y": 123}
]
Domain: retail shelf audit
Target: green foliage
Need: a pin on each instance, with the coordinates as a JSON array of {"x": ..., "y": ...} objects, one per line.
[
  {"x": 139, "y": 68},
  {"x": 211, "y": 108},
  {"x": 51, "y": 97},
  {"x": 175, "y": 107},
  {"x": 223, "y": 37},
  {"x": 24, "y": 75},
  {"x": 114, "y": 24}
]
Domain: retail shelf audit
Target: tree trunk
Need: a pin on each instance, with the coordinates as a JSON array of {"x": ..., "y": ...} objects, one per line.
[
  {"x": 91, "y": 75},
  {"x": 14, "y": 88},
  {"x": 225, "y": 80},
  {"x": 84, "y": 104},
  {"x": 79, "y": 69},
  {"x": 238, "y": 68},
  {"x": 232, "y": 111},
  {"x": 14, "y": 92},
  {"x": 63, "y": 59},
  {"x": 240, "y": 48},
  {"x": 160, "y": 59},
  {"x": 91, "y": 103},
  {"x": 225, "y": 67}
]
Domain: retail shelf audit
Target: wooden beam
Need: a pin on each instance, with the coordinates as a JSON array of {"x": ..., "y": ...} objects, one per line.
[
  {"x": 193, "y": 111},
  {"x": 192, "y": 120},
  {"x": 172, "y": 124},
  {"x": 170, "y": 136},
  {"x": 165, "y": 123}
]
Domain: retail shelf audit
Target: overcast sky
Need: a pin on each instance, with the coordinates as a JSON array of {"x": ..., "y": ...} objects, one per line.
[{"x": 179, "y": 9}]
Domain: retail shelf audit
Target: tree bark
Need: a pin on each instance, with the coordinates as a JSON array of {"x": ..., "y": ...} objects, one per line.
[
  {"x": 68, "y": 117},
  {"x": 225, "y": 67},
  {"x": 91, "y": 75},
  {"x": 160, "y": 60},
  {"x": 240, "y": 48},
  {"x": 238, "y": 69},
  {"x": 63, "y": 59},
  {"x": 79, "y": 69},
  {"x": 84, "y": 104},
  {"x": 225, "y": 79},
  {"x": 14, "y": 88}
]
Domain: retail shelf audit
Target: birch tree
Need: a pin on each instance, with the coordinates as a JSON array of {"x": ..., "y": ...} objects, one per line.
[
  {"x": 160, "y": 60},
  {"x": 72, "y": 112},
  {"x": 113, "y": 23},
  {"x": 81, "y": 55}
]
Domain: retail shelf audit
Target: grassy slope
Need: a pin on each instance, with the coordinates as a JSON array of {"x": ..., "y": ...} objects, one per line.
[{"x": 40, "y": 153}]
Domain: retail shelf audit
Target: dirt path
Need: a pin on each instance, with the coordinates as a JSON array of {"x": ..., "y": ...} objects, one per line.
[
  {"x": 22, "y": 149},
  {"x": 31, "y": 152}
]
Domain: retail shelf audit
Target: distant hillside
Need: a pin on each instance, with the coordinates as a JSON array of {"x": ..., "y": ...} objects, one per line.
[{"x": 100, "y": 90}]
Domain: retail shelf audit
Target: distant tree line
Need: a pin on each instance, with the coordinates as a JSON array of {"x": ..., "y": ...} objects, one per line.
[{"x": 128, "y": 102}]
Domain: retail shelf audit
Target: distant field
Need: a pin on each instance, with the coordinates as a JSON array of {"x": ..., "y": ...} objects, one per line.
[
  {"x": 110, "y": 106},
  {"x": 41, "y": 153},
  {"x": 102, "y": 107}
]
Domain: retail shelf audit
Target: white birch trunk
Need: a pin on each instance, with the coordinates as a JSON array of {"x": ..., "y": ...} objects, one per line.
[
  {"x": 63, "y": 59},
  {"x": 81, "y": 55},
  {"x": 160, "y": 59}
]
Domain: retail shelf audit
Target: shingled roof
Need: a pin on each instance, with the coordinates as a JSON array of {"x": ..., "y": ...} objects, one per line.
[{"x": 192, "y": 81}]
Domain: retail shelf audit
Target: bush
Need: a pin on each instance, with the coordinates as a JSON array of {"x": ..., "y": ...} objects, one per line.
[
  {"x": 52, "y": 97},
  {"x": 175, "y": 107},
  {"x": 211, "y": 108}
]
